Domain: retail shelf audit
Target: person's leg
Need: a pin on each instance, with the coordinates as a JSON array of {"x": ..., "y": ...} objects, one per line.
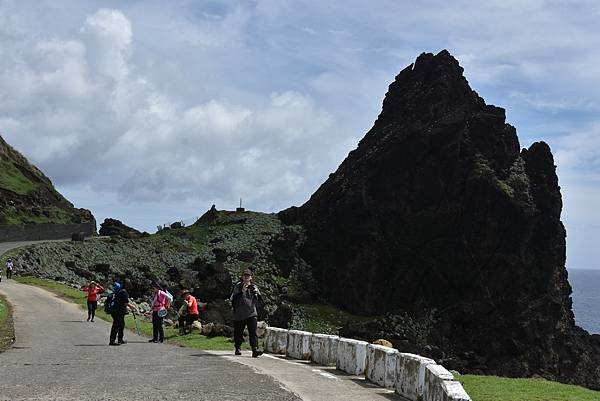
[
  {"x": 161, "y": 330},
  {"x": 113, "y": 330},
  {"x": 89, "y": 306},
  {"x": 238, "y": 334},
  {"x": 94, "y": 305},
  {"x": 154, "y": 326},
  {"x": 253, "y": 338},
  {"x": 121, "y": 328},
  {"x": 181, "y": 323}
]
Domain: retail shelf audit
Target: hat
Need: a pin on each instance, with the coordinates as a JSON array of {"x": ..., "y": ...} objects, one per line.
[
  {"x": 116, "y": 286},
  {"x": 247, "y": 272},
  {"x": 156, "y": 285},
  {"x": 184, "y": 291},
  {"x": 92, "y": 282}
]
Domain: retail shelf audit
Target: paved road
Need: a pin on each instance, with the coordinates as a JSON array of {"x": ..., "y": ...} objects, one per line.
[{"x": 59, "y": 356}]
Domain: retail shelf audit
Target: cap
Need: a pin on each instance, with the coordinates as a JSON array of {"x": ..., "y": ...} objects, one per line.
[
  {"x": 247, "y": 272},
  {"x": 92, "y": 282},
  {"x": 183, "y": 292},
  {"x": 116, "y": 286}
]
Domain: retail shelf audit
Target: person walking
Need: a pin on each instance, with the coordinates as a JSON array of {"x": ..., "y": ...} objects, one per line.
[
  {"x": 191, "y": 311},
  {"x": 120, "y": 303},
  {"x": 10, "y": 266},
  {"x": 92, "y": 289},
  {"x": 160, "y": 305},
  {"x": 244, "y": 297}
]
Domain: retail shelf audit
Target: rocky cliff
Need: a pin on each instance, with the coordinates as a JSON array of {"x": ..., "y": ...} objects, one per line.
[
  {"x": 439, "y": 213},
  {"x": 28, "y": 196}
]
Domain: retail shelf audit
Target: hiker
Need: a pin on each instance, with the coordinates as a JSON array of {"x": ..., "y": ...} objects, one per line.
[
  {"x": 188, "y": 312},
  {"x": 160, "y": 304},
  {"x": 92, "y": 290},
  {"x": 244, "y": 298},
  {"x": 119, "y": 302},
  {"x": 9, "y": 268}
]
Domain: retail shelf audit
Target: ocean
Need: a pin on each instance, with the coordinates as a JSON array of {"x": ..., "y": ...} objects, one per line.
[{"x": 586, "y": 298}]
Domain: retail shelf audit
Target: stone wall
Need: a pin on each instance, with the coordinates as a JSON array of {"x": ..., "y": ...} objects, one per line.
[{"x": 35, "y": 232}]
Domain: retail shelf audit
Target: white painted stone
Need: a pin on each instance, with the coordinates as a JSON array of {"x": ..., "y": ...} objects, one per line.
[
  {"x": 381, "y": 365},
  {"x": 324, "y": 349},
  {"x": 276, "y": 340},
  {"x": 410, "y": 375},
  {"x": 434, "y": 376},
  {"x": 453, "y": 391},
  {"x": 298, "y": 344},
  {"x": 352, "y": 356}
]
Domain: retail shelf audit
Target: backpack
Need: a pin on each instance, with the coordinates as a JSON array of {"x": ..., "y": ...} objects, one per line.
[
  {"x": 169, "y": 296},
  {"x": 109, "y": 304}
]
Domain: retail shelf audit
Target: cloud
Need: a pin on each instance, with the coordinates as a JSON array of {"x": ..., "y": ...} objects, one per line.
[{"x": 159, "y": 108}]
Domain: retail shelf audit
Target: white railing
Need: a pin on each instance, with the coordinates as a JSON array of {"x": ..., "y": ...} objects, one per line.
[{"x": 414, "y": 377}]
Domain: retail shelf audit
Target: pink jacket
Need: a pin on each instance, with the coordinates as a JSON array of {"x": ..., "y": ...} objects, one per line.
[{"x": 160, "y": 301}]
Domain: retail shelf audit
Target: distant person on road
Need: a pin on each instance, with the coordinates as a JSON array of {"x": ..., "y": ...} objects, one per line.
[
  {"x": 160, "y": 305},
  {"x": 92, "y": 290},
  {"x": 244, "y": 297},
  {"x": 190, "y": 307},
  {"x": 118, "y": 310},
  {"x": 9, "y": 268}
]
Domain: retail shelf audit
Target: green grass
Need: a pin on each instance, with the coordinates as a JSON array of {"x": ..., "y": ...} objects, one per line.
[
  {"x": 6, "y": 327},
  {"x": 74, "y": 295},
  {"x": 493, "y": 388},
  {"x": 321, "y": 318},
  {"x": 13, "y": 180}
]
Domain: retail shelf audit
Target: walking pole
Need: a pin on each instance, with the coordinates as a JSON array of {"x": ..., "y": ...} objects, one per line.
[{"x": 138, "y": 329}]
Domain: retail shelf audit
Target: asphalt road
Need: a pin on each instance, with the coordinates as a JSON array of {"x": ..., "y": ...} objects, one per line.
[{"x": 59, "y": 356}]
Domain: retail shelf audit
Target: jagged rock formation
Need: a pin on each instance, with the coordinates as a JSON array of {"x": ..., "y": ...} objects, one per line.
[
  {"x": 438, "y": 213},
  {"x": 116, "y": 227},
  {"x": 28, "y": 196}
]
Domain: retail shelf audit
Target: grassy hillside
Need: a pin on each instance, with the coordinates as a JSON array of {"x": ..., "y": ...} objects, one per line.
[{"x": 27, "y": 196}]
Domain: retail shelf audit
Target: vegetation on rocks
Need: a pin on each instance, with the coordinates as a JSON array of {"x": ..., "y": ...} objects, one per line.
[{"x": 6, "y": 326}]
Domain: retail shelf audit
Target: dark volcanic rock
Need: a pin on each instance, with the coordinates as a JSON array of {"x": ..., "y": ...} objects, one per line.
[
  {"x": 438, "y": 209},
  {"x": 116, "y": 227}
]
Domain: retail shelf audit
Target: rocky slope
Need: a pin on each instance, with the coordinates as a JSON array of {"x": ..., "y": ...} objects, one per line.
[
  {"x": 28, "y": 196},
  {"x": 207, "y": 257},
  {"x": 440, "y": 216}
]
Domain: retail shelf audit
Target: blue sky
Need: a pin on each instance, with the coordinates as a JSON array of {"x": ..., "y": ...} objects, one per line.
[{"x": 151, "y": 111}]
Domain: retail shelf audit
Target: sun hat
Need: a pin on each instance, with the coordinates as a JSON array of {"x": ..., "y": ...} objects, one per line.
[
  {"x": 184, "y": 291},
  {"x": 247, "y": 272}
]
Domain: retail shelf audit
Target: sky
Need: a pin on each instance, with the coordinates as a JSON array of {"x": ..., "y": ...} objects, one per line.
[{"x": 152, "y": 111}]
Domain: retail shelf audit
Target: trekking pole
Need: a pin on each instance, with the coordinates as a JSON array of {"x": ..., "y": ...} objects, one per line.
[{"x": 138, "y": 329}]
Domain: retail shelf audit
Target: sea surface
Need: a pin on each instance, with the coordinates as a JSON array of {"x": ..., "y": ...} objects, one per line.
[{"x": 586, "y": 298}]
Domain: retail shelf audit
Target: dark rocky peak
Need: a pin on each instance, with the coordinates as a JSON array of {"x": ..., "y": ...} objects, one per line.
[
  {"x": 114, "y": 227},
  {"x": 438, "y": 209}
]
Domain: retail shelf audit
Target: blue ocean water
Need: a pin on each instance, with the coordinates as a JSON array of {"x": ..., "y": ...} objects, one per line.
[{"x": 586, "y": 298}]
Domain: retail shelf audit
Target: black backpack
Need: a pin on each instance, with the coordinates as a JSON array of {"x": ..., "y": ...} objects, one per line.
[{"x": 109, "y": 303}]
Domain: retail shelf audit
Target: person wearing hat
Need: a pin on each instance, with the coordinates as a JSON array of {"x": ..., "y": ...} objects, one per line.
[
  {"x": 160, "y": 305},
  {"x": 92, "y": 290},
  {"x": 191, "y": 311},
  {"x": 10, "y": 266},
  {"x": 244, "y": 298},
  {"x": 120, "y": 299}
]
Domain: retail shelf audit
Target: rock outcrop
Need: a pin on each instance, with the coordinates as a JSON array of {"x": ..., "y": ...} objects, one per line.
[
  {"x": 439, "y": 213},
  {"x": 112, "y": 227},
  {"x": 27, "y": 196}
]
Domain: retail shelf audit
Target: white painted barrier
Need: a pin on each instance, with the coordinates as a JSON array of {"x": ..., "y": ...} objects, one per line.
[
  {"x": 324, "y": 349},
  {"x": 298, "y": 344},
  {"x": 352, "y": 356},
  {"x": 381, "y": 365},
  {"x": 410, "y": 375},
  {"x": 453, "y": 391},
  {"x": 434, "y": 376},
  {"x": 276, "y": 340}
]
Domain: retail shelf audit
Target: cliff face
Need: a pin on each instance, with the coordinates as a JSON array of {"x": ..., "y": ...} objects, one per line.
[
  {"x": 28, "y": 196},
  {"x": 439, "y": 210}
]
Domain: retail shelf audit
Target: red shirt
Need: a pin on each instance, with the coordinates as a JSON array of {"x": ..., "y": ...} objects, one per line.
[
  {"x": 93, "y": 292},
  {"x": 193, "y": 305}
]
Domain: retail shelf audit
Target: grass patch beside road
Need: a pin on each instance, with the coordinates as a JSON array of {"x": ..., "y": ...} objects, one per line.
[
  {"x": 6, "y": 326},
  {"x": 77, "y": 296},
  {"x": 493, "y": 388}
]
